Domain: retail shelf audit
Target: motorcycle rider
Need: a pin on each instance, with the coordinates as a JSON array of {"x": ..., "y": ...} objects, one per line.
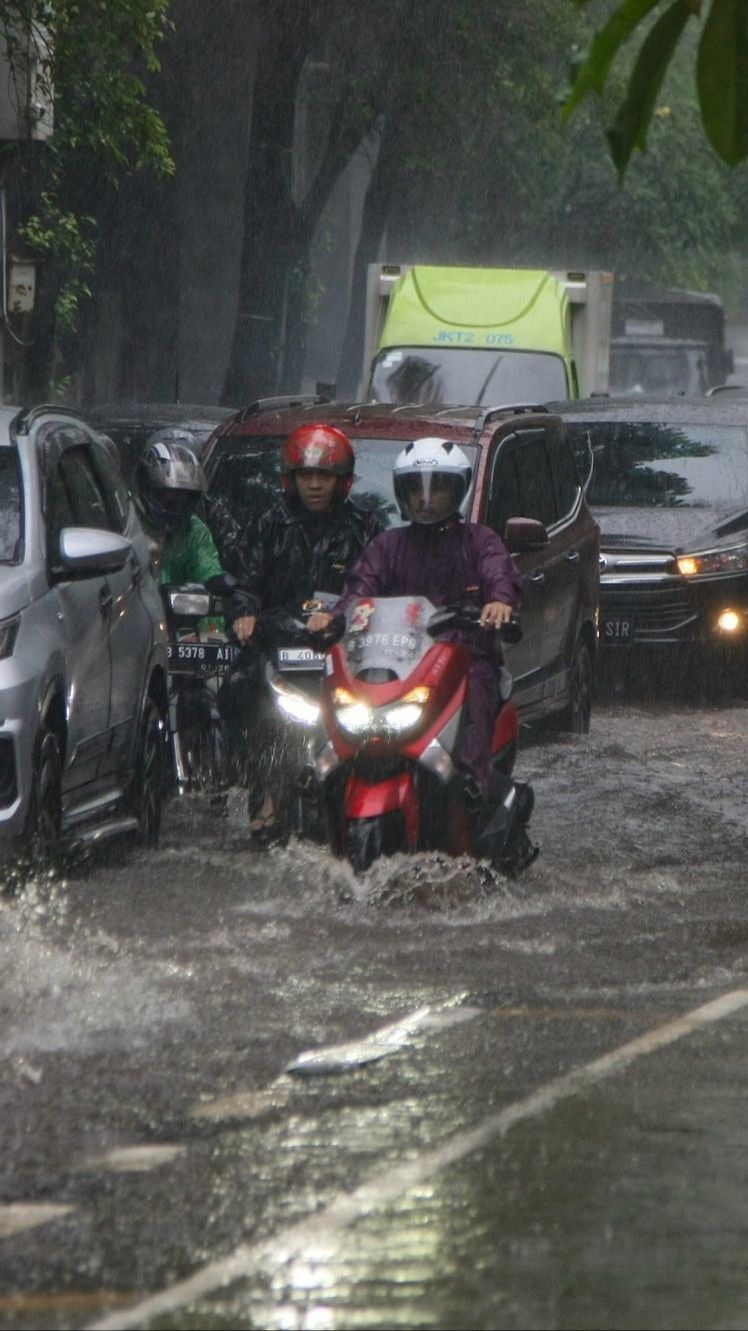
[
  {"x": 305, "y": 543},
  {"x": 169, "y": 483},
  {"x": 211, "y": 510},
  {"x": 447, "y": 560}
]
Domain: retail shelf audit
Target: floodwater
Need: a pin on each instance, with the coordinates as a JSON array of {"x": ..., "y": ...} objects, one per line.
[{"x": 252, "y": 1090}]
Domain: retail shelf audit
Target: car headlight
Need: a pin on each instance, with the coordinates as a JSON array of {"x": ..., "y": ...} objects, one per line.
[
  {"x": 730, "y": 559},
  {"x": 8, "y": 635}
]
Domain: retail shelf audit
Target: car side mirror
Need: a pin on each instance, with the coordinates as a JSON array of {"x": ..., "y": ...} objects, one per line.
[
  {"x": 91, "y": 550},
  {"x": 525, "y": 536}
]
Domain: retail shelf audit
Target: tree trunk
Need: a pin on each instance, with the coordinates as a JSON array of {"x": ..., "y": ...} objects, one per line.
[
  {"x": 270, "y": 245},
  {"x": 379, "y": 195}
]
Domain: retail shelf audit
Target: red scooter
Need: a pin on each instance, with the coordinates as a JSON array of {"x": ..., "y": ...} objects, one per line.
[{"x": 392, "y": 703}]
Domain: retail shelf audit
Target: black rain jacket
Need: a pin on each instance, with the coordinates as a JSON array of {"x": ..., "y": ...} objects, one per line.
[{"x": 291, "y": 553}]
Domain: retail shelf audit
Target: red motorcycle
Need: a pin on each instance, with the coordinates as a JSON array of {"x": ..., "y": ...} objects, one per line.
[{"x": 392, "y": 703}]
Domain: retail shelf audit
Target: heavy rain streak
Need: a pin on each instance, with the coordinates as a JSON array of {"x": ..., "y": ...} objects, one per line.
[{"x": 373, "y": 665}]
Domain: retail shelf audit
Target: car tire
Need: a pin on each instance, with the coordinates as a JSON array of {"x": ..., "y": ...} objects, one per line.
[
  {"x": 148, "y": 784},
  {"x": 45, "y": 806},
  {"x": 575, "y": 717}
]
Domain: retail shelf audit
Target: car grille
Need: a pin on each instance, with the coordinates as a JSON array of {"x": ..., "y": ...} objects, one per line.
[{"x": 661, "y": 613}]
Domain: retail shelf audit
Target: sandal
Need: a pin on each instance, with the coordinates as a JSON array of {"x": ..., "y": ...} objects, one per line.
[{"x": 265, "y": 830}]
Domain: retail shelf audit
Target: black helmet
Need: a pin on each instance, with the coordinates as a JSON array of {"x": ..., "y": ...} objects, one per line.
[{"x": 169, "y": 480}]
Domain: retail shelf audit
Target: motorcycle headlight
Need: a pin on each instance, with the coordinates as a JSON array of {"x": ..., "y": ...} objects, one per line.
[
  {"x": 402, "y": 717},
  {"x": 357, "y": 717},
  {"x": 727, "y": 559},
  {"x": 294, "y": 704},
  {"x": 190, "y": 603}
]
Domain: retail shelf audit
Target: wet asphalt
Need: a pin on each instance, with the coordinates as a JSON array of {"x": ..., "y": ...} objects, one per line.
[{"x": 245, "y": 1089}]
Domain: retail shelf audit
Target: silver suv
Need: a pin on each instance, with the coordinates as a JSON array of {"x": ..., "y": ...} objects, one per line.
[{"x": 82, "y": 648}]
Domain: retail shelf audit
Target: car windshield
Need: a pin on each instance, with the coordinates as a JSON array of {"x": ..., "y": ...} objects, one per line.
[
  {"x": 10, "y": 508},
  {"x": 462, "y": 376},
  {"x": 246, "y": 476},
  {"x": 658, "y": 370},
  {"x": 657, "y": 465}
]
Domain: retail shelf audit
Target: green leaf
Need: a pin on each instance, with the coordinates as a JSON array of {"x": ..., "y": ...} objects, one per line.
[
  {"x": 629, "y": 129},
  {"x": 722, "y": 79},
  {"x": 605, "y": 45}
]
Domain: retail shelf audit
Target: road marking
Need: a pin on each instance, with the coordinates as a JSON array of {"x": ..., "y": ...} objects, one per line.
[
  {"x": 387, "y": 1040},
  {"x": 66, "y": 1301},
  {"x": 244, "y": 1104},
  {"x": 18, "y": 1216},
  {"x": 324, "y": 1231},
  {"x": 132, "y": 1159}
]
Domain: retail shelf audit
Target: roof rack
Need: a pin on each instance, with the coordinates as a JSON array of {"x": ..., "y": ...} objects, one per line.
[
  {"x": 510, "y": 408},
  {"x": 286, "y": 400}
]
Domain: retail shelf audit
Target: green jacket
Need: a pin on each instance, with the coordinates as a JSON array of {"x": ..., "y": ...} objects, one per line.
[{"x": 190, "y": 555}]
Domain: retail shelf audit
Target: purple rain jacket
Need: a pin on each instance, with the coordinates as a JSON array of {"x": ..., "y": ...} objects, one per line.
[{"x": 452, "y": 561}]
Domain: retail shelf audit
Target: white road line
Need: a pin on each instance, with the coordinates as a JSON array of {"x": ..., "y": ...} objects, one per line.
[
  {"x": 131, "y": 1159},
  {"x": 18, "y": 1216},
  {"x": 324, "y": 1231}
]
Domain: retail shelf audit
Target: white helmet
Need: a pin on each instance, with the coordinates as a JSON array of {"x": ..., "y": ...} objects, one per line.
[{"x": 415, "y": 471}]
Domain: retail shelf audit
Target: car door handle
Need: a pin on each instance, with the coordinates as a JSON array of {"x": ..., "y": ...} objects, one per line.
[
  {"x": 537, "y": 577},
  {"x": 105, "y": 601},
  {"x": 135, "y": 570},
  {"x": 573, "y": 557}
]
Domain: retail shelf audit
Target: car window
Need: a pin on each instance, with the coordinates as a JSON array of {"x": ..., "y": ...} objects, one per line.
[
  {"x": 84, "y": 491},
  {"x": 11, "y": 528},
  {"x": 246, "y": 476},
  {"x": 522, "y": 482},
  {"x": 565, "y": 479},
  {"x": 660, "y": 465},
  {"x": 113, "y": 487}
]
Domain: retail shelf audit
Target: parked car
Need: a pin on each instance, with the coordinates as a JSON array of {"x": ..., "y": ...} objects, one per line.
[
  {"x": 130, "y": 424},
  {"x": 525, "y": 486},
  {"x": 669, "y": 488},
  {"x": 82, "y": 650}
]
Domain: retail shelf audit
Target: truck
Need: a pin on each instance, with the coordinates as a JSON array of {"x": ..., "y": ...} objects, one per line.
[
  {"x": 666, "y": 340},
  {"x": 494, "y": 336}
]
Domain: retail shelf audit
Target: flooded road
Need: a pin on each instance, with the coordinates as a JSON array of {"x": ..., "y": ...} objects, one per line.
[{"x": 246, "y": 1089}]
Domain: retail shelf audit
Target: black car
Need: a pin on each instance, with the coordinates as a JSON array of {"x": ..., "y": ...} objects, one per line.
[
  {"x": 669, "y": 488},
  {"x": 525, "y": 486},
  {"x": 130, "y": 424}
]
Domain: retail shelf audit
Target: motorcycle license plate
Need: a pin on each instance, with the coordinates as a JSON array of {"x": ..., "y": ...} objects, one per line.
[
  {"x": 300, "y": 658},
  {"x": 197, "y": 658},
  {"x": 618, "y": 632}
]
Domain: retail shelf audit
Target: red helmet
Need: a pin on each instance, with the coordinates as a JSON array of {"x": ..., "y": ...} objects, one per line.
[{"x": 320, "y": 448}]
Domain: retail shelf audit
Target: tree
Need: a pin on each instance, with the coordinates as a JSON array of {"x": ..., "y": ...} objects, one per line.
[
  {"x": 721, "y": 71},
  {"x": 92, "y": 60}
]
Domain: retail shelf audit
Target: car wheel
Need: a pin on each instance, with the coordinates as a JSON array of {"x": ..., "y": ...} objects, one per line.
[
  {"x": 45, "y": 808},
  {"x": 576, "y": 715},
  {"x": 149, "y": 776}
]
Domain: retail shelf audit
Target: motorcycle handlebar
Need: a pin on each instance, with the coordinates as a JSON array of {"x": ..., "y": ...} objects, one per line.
[{"x": 466, "y": 616}]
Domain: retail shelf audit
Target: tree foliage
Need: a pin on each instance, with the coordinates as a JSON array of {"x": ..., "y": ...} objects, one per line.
[
  {"x": 721, "y": 70},
  {"x": 92, "y": 58}
]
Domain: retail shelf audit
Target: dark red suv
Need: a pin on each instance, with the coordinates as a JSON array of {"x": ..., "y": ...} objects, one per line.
[{"x": 525, "y": 486}]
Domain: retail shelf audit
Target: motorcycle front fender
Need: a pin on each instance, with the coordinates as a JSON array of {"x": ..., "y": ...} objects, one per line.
[{"x": 371, "y": 800}]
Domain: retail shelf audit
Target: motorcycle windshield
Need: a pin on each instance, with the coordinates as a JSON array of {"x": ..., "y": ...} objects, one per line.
[{"x": 385, "y": 637}]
